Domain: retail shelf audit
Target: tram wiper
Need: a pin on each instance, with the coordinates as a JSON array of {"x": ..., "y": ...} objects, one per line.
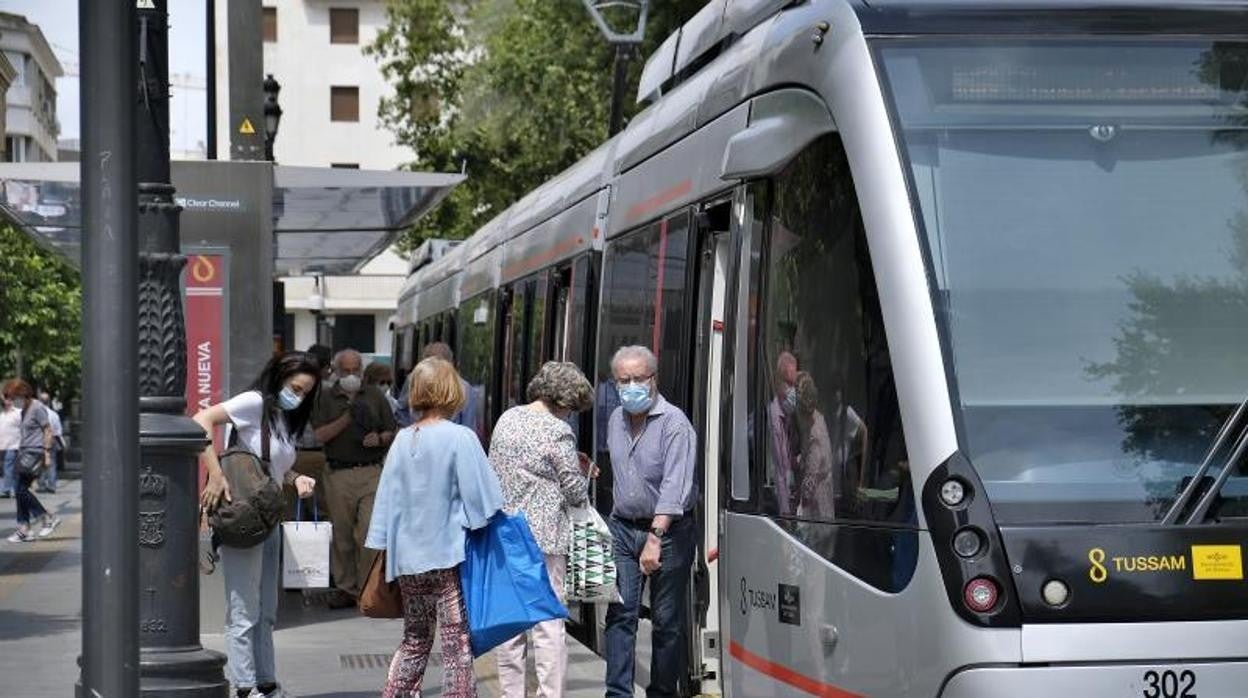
[{"x": 1202, "y": 507}]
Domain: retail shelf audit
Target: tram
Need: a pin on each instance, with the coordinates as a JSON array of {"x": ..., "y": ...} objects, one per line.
[{"x": 956, "y": 295}]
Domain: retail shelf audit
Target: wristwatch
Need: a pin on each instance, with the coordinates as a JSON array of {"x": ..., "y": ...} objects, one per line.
[{"x": 658, "y": 532}]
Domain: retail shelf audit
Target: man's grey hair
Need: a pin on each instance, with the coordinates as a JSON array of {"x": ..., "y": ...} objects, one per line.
[
  {"x": 344, "y": 354},
  {"x": 635, "y": 352},
  {"x": 561, "y": 383}
]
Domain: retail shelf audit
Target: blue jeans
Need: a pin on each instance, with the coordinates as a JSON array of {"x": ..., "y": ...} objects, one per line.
[
  {"x": 28, "y": 505},
  {"x": 251, "y": 579},
  {"x": 10, "y": 460},
  {"x": 669, "y": 594}
]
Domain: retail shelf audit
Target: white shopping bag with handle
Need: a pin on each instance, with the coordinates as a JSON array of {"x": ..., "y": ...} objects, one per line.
[
  {"x": 305, "y": 551},
  {"x": 590, "y": 576}
]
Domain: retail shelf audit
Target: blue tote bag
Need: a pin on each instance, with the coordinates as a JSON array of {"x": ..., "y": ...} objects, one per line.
[{"x": 506, "y": 588}]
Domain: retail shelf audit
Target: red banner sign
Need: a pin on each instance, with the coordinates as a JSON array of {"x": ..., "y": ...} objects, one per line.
[{"x": 205, "y": 331}]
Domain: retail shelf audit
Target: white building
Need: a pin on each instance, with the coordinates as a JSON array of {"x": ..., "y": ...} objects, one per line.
[
  {"x": 330, "y": 89},
  {"x": 30, "y": 125},
  {"x": 330, "y": 96}
]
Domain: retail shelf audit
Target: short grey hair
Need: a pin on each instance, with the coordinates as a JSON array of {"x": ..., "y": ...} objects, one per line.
[
  {"x": 635, "y": 351},
  {"x": 344, "y": 354},
  {"x": 561, "y": 383}
]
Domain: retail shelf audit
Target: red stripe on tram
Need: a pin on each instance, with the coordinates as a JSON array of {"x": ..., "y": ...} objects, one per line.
[
  {"x": 786, "y": 675},
  {"x": 658, "y": 289}
]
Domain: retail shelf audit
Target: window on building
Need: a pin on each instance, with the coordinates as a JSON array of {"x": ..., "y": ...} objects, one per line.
[
  {"x": 344, "y": 25},
  {"x": 345, "y": 165},
  {"x": 344, "y": 103},
  {"x": 270, "y": 25},
  {"x": 358, "y": 332}
]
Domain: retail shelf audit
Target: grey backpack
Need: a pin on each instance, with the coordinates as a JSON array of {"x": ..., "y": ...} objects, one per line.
[{"x": 257, "y": 504}]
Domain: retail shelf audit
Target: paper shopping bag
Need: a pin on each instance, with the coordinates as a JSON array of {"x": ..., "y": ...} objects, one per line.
[{"x": 305, "y": 554}]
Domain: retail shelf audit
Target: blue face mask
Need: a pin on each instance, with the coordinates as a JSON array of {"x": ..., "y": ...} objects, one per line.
[
  {"x": 288, "y": 399},
  {"x": 635, "y": 397}
]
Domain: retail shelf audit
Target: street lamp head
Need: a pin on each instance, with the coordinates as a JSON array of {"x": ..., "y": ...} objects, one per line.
[{"x": 272, "y": 110}]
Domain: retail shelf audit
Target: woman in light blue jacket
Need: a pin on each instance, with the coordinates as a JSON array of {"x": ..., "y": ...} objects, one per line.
[{"x": 436, "y": 484}]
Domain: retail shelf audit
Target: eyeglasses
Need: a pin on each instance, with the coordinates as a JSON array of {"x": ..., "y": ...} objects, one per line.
[{"x": 636, "y": 380}]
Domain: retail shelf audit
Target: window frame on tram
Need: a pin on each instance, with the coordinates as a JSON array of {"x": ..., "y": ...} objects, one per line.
[{"x": 860, "y": 541}]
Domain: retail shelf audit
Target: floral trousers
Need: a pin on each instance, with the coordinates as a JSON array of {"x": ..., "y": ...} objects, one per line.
[{"x": 432, "y": 600}]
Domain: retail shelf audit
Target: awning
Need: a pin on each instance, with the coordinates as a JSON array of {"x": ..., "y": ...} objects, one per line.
[{"x": 325, "y": 220}]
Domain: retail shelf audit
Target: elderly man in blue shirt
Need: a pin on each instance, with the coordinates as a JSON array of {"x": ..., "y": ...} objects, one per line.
[{"x": 653, "y": 460}]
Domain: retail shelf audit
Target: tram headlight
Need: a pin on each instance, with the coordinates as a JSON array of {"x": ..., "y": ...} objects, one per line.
[
  {"x": 1055, "y": 593},
  {"x": 968, "y": 543},
  {"x": 953, "y": 493},
  {"x": 981, "y": 594}
]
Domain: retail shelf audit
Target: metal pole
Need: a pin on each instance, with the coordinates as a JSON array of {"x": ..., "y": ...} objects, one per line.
[
  {"x": 618, "y": 83},
  {"x": 172, "y": 661},
  {"x": 110, "y": 592}
]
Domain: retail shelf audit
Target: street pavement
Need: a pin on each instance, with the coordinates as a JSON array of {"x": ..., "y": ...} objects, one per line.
[{"x": 320, "y": 653}]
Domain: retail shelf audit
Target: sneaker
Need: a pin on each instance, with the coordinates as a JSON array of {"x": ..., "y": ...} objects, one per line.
[
  {"x": 50, "y": 522},
  {"x": 7, "y": 494},
  {"x": 21, "y": 537},
  {"x": 278, "y": 692}
]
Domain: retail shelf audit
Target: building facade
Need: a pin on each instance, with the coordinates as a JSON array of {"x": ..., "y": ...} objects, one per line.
[
  {"x": 30, "y": 124},
  {"x": 330, "y": 94}
]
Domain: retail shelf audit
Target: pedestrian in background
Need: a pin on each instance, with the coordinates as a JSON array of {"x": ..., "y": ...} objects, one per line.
[
  {"x": 47, "y": 478},
  {"x": 437, "y": 483},
  {"x": 355, "y": 425},
  {"x": 279, "y": 402},
  {"x": 10, "y": 437},
  {"x": 34, "y": 454},
  {"x": 543, "y": 477},
  {"x": 382, "y": 376},
  {"x": 653, "y": 460}
]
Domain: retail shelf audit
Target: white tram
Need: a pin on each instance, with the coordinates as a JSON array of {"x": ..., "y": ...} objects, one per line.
[{"x": 956, "y": 295}]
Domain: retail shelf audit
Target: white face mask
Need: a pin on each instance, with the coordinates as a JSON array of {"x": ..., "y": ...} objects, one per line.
[{"x": 350, "y": 383}]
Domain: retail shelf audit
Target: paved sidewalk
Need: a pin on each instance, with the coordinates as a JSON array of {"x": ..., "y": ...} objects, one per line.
[{"x": 321, "y": 653}]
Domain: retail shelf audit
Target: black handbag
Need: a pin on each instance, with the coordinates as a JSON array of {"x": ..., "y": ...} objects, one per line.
[{"x": 256, "y": 505}]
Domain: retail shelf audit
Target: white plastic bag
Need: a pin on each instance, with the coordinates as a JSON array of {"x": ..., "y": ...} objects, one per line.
[
  {"x": 591, "y": 575},
  {"x": 305, "y": 554}
]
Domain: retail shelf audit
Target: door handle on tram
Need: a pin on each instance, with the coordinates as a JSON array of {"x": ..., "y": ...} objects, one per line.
[{"x": 828, "y": 637}]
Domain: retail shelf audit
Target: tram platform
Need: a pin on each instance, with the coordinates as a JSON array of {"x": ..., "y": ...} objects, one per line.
[{"x": 321, "y": 653}]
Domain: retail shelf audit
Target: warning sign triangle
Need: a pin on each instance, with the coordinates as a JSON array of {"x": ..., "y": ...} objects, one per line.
[{"x": 246, "y": 128}]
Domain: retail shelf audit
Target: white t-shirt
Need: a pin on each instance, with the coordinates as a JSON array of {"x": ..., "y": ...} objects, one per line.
[
  {"x": 245, "y": 410},
  {"x": 10, "y": 428}
]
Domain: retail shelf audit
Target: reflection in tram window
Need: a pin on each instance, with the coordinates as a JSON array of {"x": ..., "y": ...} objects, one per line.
[
  {"x": 832, "y": 443},
  {"x": 476, "y": 356}
]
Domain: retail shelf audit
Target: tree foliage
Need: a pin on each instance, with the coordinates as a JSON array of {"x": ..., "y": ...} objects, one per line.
[
  {"x": 510, "y": 91},
  {"x": 40, "y": 315}
]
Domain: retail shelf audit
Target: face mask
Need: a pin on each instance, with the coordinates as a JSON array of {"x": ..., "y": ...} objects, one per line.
[
  {"x": 350, "y": 383},
  {"x": 385, "y": 387},
  {"x": 635, "y": 397},
  {"x": 19, "y": 403},
  {"x": 288, "y": 399},
  {"x": 790, "y": 400}
]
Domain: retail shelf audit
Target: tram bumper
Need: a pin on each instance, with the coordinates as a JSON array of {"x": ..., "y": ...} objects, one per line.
[{"x": 1155, "y": 680}]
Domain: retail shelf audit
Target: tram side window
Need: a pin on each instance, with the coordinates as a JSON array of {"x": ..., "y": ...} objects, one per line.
[
  {"x": 643, "y": 302},
  {"x": 831, "y": 435},
  {"x": 475, "y": 358}
]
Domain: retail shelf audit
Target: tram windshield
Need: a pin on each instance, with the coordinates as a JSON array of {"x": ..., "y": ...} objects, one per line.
[{"x": 1085, "y": 208}]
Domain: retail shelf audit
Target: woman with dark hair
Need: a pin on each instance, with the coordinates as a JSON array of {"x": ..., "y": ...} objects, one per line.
[
  {"x": 34, "y": 454},
  {"x": 279, "y": 403}
]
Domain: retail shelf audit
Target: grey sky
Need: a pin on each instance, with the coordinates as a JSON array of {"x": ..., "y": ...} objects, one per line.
[{"x": 58, "y": 19}]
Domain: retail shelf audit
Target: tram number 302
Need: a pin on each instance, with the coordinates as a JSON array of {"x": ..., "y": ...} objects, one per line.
[{"x": 1170, "y": 684}]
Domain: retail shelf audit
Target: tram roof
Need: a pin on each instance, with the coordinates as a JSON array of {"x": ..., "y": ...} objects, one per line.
[
  {"x": 324, "y": 220},
  {"x": 1215, "y": 17}
]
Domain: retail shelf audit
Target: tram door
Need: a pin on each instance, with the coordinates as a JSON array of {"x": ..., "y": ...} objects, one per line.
[{"x": 713, "y": 260}]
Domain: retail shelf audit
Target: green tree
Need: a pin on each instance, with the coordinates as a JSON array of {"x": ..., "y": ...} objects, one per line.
[
  {"x": 40, "y": 315},
  {"x": 510, "y": 91}
]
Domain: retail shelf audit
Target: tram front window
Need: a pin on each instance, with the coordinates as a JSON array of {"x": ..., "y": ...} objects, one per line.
[{"x": 1085, "y": 207}]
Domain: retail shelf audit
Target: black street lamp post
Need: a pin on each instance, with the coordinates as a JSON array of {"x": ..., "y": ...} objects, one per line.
[
  {"x": 608, "y": 14},
  {"x": 172, "y": 662},
  {"x": 272, "y": 114}
]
